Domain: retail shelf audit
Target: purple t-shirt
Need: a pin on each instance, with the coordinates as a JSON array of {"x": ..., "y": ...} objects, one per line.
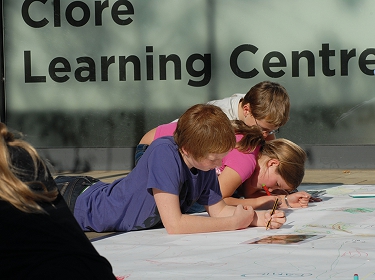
[
  {"x": 243, "y": 163},
  {"x": 128, "y": 204}
]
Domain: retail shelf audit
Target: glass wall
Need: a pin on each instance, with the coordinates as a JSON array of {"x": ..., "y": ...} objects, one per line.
[{"x": 99, "y": 74}]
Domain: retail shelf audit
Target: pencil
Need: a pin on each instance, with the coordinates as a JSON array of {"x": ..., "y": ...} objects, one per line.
[
  {"x": 272, "y": 212},
  {"x": 266, "y": 189},
  {"x": 356, "y": 277}
]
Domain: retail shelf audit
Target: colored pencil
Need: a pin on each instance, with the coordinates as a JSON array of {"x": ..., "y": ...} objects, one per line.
[
  {"x": 272, "y": 212},
  {"x": 266, "y": 189}
]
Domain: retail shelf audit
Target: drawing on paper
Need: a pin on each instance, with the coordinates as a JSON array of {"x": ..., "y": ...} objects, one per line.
[
  {"x": 326, "y": 229},
  {"x": 358, "y": 210},
  {"x": 284, "y": 239},
  {"x": 352, "y": 210}
]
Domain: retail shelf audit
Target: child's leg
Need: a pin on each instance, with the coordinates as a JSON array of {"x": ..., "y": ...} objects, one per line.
[
  {"x": 71, "y": 187},
  {"x": 139, "y": 151}
]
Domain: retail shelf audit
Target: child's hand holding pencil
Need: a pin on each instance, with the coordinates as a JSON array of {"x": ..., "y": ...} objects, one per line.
[{"x": 275, "y": 218}]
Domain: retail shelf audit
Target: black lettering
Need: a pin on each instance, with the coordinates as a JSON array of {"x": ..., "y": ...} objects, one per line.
[
  {"x": 234, "y": 61},
  {"x": 99, "y": 7},
  {"x": 267, "y": 64},
  {"x": 122, "y": 67},
  {"x": 149, "y": 64},
  {"x": 120, "y": 12},
  {"x": 90, "y": 68},
  {"x": 56, "y": 13},
  {"x": 53, "y": 69},
  {"x": 69, "y": 14},
  {"x": 116, "y": 12},
  {"x": 205, "y": 71},
  {"x": 345, "y": 56},
  {"x": 26, "y": 14},
  {"x": 325, "y": 53},
  {"x": 27, "y": 64},
  {"x": 296, "y": 56},
  {"x": 105, "y": 62},
  {"x": 363, "y": 61},
  {"x": 163, "y": 59}
]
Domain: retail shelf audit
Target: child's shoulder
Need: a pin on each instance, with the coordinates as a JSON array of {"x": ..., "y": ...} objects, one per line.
[
  {"x": 167, "y": 140},
  {"x": 164, "y": 144}
]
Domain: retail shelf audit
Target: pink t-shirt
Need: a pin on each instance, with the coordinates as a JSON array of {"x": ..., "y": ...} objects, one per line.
[
  {"x": 165, "y": 130},
  {"x": 243, "y": 163}
]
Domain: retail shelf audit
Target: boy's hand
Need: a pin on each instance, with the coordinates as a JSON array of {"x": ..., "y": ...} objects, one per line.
[
  {"x": 277, "y": 219},
  {"x": 244, "y": 216}
]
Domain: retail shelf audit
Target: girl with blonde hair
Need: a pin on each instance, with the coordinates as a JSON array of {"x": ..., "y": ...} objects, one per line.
[{"x": 40, "y": 239}]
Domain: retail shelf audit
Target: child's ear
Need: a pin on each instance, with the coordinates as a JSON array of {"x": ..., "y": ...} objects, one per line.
[
  {"x": 184, "y": 152},
  {"x": 246, "y": 109},
  {"x": 273, "y": 162}
]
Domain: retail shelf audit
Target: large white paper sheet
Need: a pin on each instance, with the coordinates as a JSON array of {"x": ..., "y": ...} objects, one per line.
[{"x": 347, "y": 247}]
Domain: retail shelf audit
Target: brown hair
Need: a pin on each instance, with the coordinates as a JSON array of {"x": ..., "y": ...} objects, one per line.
[
  {"x": 268, "y": 101},
  {"x": 252, "y": 136},
  {"x": 204, "y": 129},
  {"x": 291, "y": 157},
  {"x": 12, "y": 188}
]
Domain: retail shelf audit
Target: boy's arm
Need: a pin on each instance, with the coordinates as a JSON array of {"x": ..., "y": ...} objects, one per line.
[
  {"x": 260, "y": 218},
  {"x": 175, "y": 222}
]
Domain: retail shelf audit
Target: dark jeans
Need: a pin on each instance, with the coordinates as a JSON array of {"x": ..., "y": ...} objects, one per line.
[
  {"x": 139, "y": 151},
  {"x": 71, "y": 187}
]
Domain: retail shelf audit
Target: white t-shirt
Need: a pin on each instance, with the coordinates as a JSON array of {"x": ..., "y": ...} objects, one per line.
[{"x": 229, "y": 105}]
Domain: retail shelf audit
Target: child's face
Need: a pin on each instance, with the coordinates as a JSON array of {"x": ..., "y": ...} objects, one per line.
[
  {"x": 211, "y": 161},
  {"x": 248, "y": 118},
  {"x": 264, "y": 126},
  {"x": 269, "y": 177}
]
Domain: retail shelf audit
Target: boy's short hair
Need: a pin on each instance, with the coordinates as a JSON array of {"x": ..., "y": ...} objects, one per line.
[
  {"x": 204, "y": 129},
  {"x": 268, "y": 101}
]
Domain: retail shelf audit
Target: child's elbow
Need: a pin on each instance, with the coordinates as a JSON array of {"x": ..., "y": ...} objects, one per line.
[{"x": 173, "y": 230}]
